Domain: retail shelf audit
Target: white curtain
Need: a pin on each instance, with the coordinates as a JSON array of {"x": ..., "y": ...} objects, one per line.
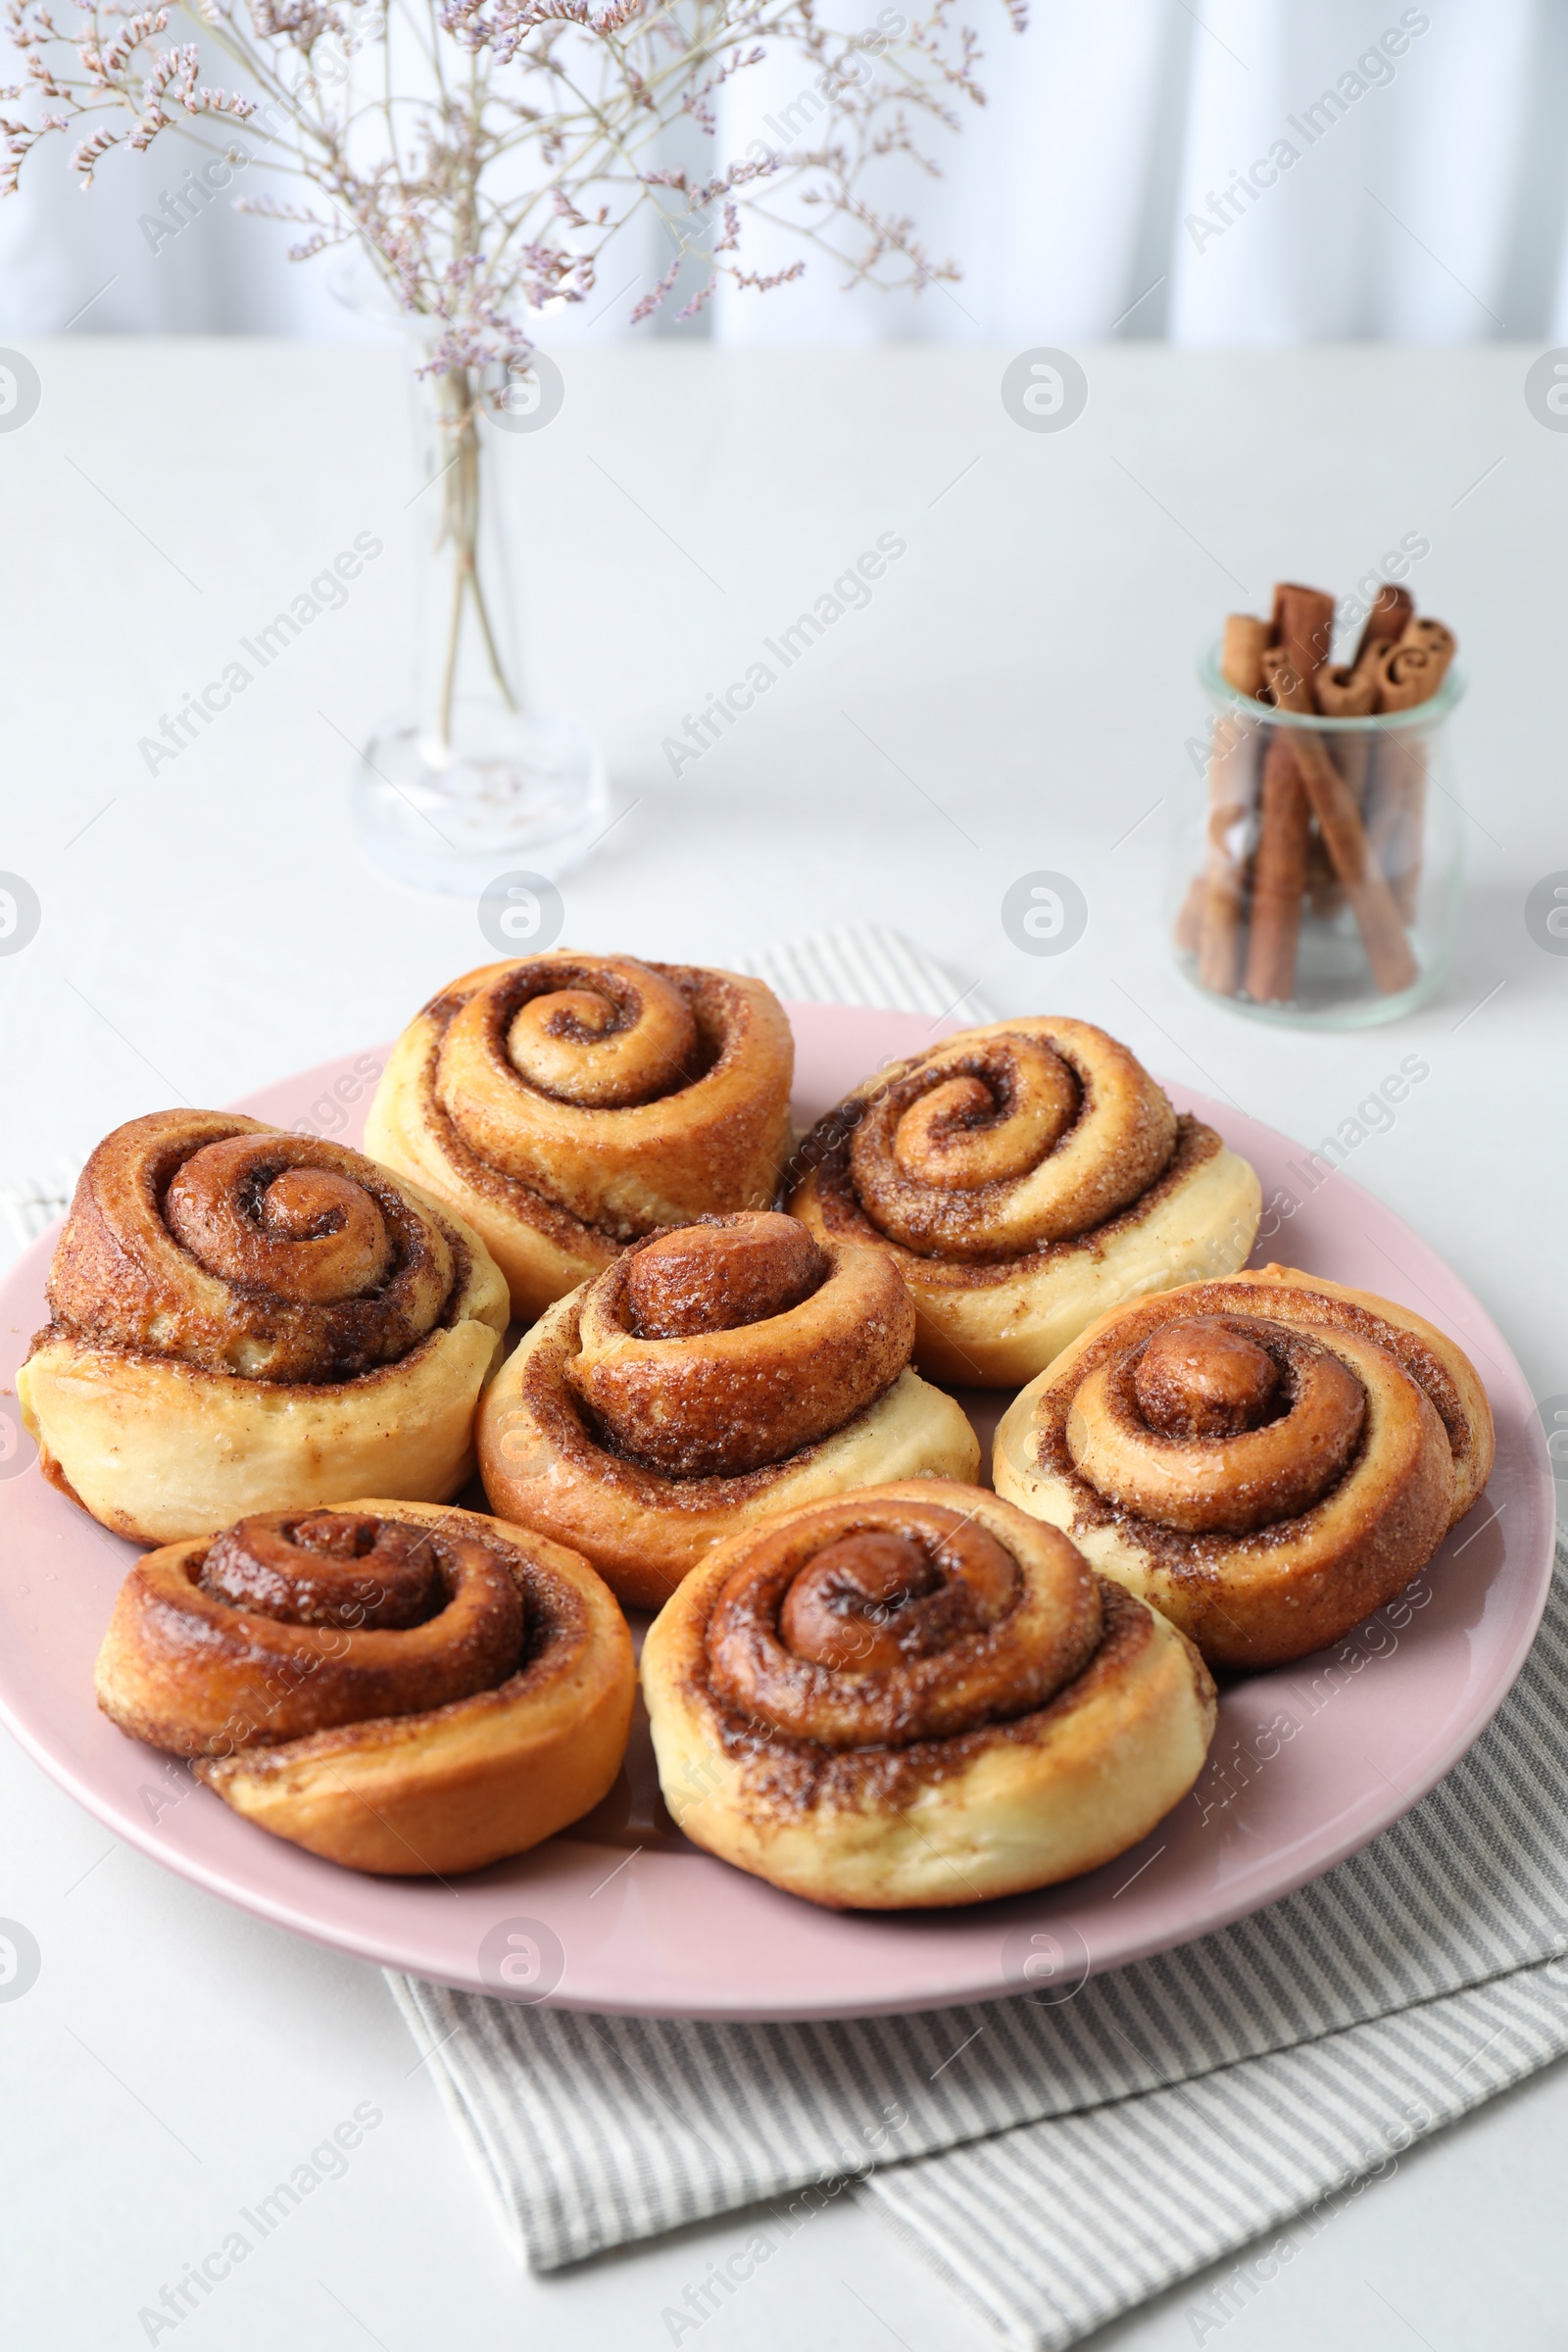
[{"x": 1220, "y": 172}]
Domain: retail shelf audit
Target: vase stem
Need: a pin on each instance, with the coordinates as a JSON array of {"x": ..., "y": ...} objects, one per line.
[
  {"x": 455, "y": 398},
  {"x": 466, "y": 786}
]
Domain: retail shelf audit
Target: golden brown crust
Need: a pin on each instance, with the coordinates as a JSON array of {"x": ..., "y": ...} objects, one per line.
[
  {"x": 835, "y": 1208},
  {"x": 956, "y": 1631},
  {"x": 759, "y": 1371},
  {"x": 1024, "y": 1734},
  {"x": 1147, "y": 1444},
  {"x": 785, "y": 1778},
  {"x": 997, "y": 1322},
  {"x": 1318, "y": 1488},
  {"x": 548, "y": 1458},
  {"x": 1443, "y": 1369},
  {"x": 204, "y": 1663},
  {"x": 1006, "y": 1139},
  {"x": 188, "y": 1238},
  {"x": 565, "y": 1105},
  {"x": 399, "y": 1688},
  {"x": 243, "y": 1317}
]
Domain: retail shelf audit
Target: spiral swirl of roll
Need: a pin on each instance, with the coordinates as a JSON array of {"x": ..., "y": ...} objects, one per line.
[
  {"x": 228, "y": 1245},
  {"x": 1218, "y": 1422},
  {"x": 873, "y": 1622},
  {"x": 713, "y": 1373},
  {"x": 915, "y": 1694},
  {"x": 291, "y": 1623},
  {"x": 722, "y": 1347},
  {"x": 568, "y": 1103},
  {"x": 245, "y": 1320},
  {"x": 1023, "y": 1176},
  {"x": 1266, "y": 1459},
  {"x": 401, "y": 1687},
  {"x": 1009, "y": 1138}
]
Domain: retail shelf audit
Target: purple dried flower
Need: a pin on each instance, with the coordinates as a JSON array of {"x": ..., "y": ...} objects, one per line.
[{"x": 490, "y": 190}]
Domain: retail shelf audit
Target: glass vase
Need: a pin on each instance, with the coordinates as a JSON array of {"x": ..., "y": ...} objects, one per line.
[
  {"x": 467, "y": 783},
  {"x": 1367, "y": 933}
]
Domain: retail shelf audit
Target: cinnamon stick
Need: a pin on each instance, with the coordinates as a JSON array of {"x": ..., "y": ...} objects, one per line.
[
  {"x": 1408, "y": 672},
  {"x": 1337, "y": 819},
  {"x": 1388, "y": 951},
  {"x": 1346, "y": 692},
  {"x": 1232, "y": 791},
  {"x": 1391, "y": 610},
  {"x": 1303, "y": 627},
  {"x": 1241, "y": 659},
  {"x": 1385, "y": 623},
  {"x": 1303, "y": 631},
  {"x": 1434, "y": 637},
  {"x": 1278, "y": 878},
  {"x": 1349, "y": 693},
  {"x": 1232, "y": 794},
  {"x": 1323, "y": 893}
]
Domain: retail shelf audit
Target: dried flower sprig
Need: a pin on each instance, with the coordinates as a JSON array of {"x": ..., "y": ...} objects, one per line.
[{"x": 486, "y": 153}]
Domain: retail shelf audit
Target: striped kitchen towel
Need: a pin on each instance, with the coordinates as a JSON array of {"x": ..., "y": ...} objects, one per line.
[
  {"x": 1050, "y": 2232},
  {"x": 864, "y": 964},
  {"x": 1059, "y": 2161},
  {"x": 1225, "y": 2085},
  {"x": 28, "y": 1209}
]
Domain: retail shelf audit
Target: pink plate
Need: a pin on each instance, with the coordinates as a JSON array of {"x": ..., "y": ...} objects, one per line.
[{"x": 620, "y": 1914}]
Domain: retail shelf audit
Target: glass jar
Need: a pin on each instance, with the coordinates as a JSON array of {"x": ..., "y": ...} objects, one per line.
[{"x": 1318, "y": 869}]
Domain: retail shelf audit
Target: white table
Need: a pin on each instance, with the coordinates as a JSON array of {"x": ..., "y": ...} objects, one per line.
[{"x": 1026, "y": 667}]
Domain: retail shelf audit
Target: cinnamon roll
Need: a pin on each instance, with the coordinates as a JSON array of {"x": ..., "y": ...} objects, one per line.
[
  {"x": 566, "y": 1104},
  {"x": 400, "y": 1688},
  {"x": 1023, "y": 1178},
  {"x": 711, "y": 1375},
  {"x": 1267, "y": 1460},
  {"x": 245, "y": 1320},
  {"x": 916, "y": 1695}
]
